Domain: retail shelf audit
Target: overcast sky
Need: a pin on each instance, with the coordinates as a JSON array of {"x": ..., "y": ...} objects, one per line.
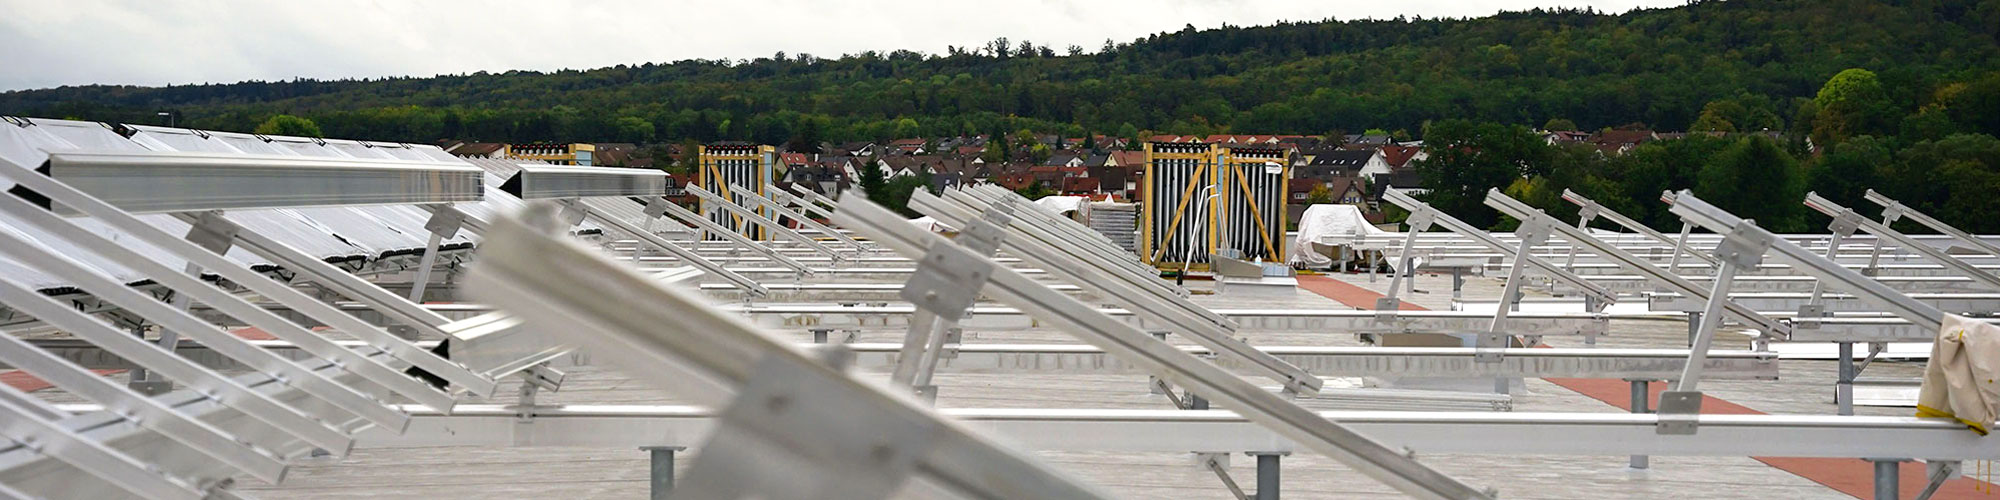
[{"x": 48, "y": 43}]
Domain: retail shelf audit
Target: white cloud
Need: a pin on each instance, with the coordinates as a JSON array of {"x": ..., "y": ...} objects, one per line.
[{"x": 151, "y": 42}]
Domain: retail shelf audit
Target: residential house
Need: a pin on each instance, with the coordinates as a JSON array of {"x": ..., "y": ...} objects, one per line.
[
  {"x": 907, "y": 147},
  {"x": 862, "y": 148},
  {"x": 1618, "y": 142},
  {"x": 476, "y": 149},
  {"x": 1555, "y": 137}
]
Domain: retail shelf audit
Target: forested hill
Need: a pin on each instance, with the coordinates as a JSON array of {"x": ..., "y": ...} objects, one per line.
[{"x": 1660, "y": 67}]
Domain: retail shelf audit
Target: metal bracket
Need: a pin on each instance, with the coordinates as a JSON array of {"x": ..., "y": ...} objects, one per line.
[
  {"x": 1679, "y": 412},
  {"x": 984, "y": 235},
  {"x": 213, "y": 232},
  {"x": 1891, "y": 213},
  {"x": 1845, "y": 224},
  {"x": 445, "y": 221},
  {"x": 1744, "y": 245},
  {"x": 1420, "y": 219},
  {"x": 776, "y": 441},
  {"x": 947, "y": 280}
]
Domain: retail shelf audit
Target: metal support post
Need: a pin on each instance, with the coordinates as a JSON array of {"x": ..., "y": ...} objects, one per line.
[
  {"x": 1887, "y": 477},
  {"x": 1490, "y": 345},
  {"x": 1744, "y": 248},
  {"x": 1419, "y": 220},
  {"x": 1843, "y": 389},
  {"x": 1642, "y": 398},
  {"x": 1680, "y": 247},
  {"x": 1267, "y": 474},
  {"x": 660, "y": 470},
  {"x": 444, "y": 222}
]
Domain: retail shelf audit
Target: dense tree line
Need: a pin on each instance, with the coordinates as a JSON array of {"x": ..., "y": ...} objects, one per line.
[
  {"x": 1709, "y": 65},
  {"x": 1938, "y": 155}
]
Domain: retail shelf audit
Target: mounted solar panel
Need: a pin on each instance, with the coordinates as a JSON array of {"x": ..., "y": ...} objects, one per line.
[{"x": 153, "y": 182}]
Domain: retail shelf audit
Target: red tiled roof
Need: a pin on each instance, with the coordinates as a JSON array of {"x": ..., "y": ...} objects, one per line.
[{"x": 1399, "y": 156}]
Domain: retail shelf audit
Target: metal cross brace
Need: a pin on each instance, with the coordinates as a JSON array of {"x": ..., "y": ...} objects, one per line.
[
  {"x": 1623, "y": 258},
  {"x": 1590, "y": 209},
  {"x": 802, "y": 219},
  {"x": 675, "y": 339},
  {"x": 251, "y": 279},
  {"x": 1881, "y": 231},
  {"x": 1177, "y": 313},
  {"x": 766, "y": 222},
  {"x": 688, "y": 216},
  {"x": 1603, "y": 298},
  {"x": 1891, "y": 206},
  {"x": 1134, "y": 345}
]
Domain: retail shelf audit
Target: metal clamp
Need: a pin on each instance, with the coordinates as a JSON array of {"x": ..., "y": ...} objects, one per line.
[
  {"x": 213, "y": 232},
  {"x": 947, "y": 280},
  {"x": 1744, "y": 245},
  {"x": 1679, "y": 413},
  {"x": 445, "y": 221},
  {"x": 984, "y": 235}
]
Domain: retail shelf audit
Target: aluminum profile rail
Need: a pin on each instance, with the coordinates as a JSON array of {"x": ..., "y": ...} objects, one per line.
[
  {"x": 759, "y": 219},
  {"x": 28, "y": 425},
  {"x": 1892, "y": 210},
  {"x": 1050, "y": 221},
  {"x": 1629, "y": 223},
  {"x": 168, "y": 316},
  {"x": 668, "y": 208},
  {"x": 1674, "y": 282},
  {"x": 1124, "y": 266},
  {"x": 1398, "y": 197},
  {"x": 1177, "y": 315},
  {"x": 1700, "y": 213},
  {"x": 674, "y": 340},
  {"x": 251, "y": 314},
  {"x": 539, "y": 182},
  {"x": 1344, "y": 361},
  {"x": 1511, "y": 434},
  {"x": 1133, "y": 345},
  {"x": 165, "y": 181},
  {"x": 1880, "y": 230},
  {"x": 211, "y": 261},
  {"x": 788, "y": 213}
]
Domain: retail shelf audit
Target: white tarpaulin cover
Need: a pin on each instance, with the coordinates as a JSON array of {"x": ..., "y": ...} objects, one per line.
[
  {"x": 1064, "y": 204},
  {"x": 1328, "y": 220},
  {"x": 1959, "y": 381}
]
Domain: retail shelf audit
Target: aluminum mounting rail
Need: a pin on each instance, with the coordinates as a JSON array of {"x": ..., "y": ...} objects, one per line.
[
  {"x": 1125, "y": 267},
  {"x": 167, "y": 181},
  {"x": 787, "y": 212},
  {"x": 1699, "y": 212},
  {"x": 1589, "y": 206},
  {"x": 1892, "y": 210},
  {"x": 1398, "y": 197},
  {"x": 804, "y": 203},
  {"x": 1675, "y": 282},
  {"x": 759, "y": 219},
  {"x": 27, "y": 424},
  {"x": 1083, "y": 240},
  {"x": 241, "y": 310},
  {"x": 257, "y": 282},
  {"x": 777, "y": 397},
  {"x": 1312, "y": 431},
  {"x": 1058, "y": 224},
  {"x": 1341, "y": 361},
  {"x": 1176, "y": 431},
  {"x": 1001, "y": 318},
  {"x": 813, "y": 202},
  {"x": 668, "y": 208},
  {"x": 1847, "y": 215},
  {"x": 1106, "y": 283}
]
